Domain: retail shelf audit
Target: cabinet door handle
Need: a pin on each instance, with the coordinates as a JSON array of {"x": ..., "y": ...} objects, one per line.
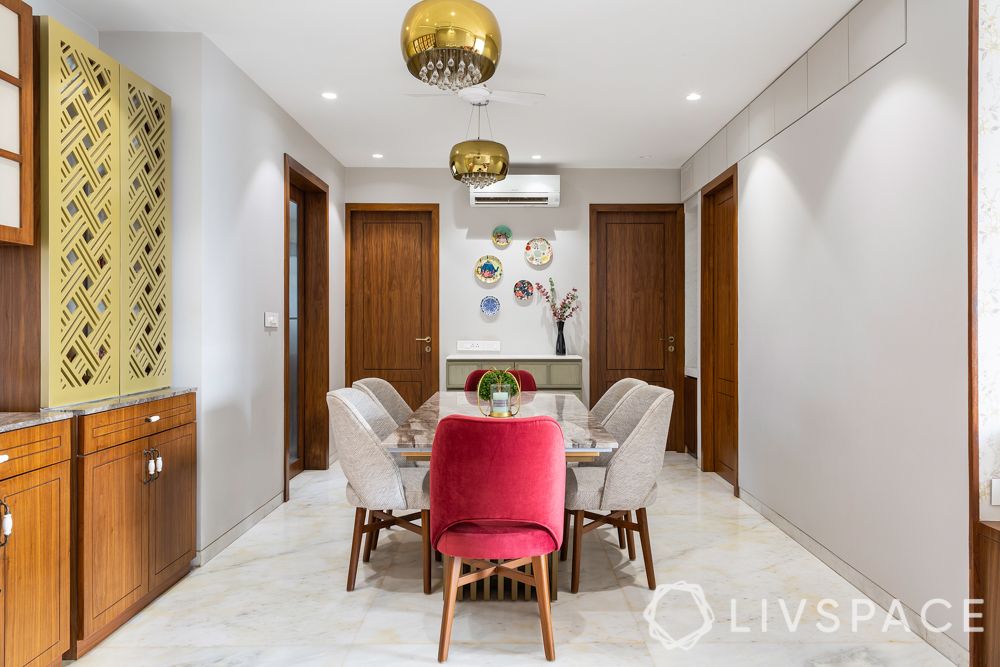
[
  {"x": 7, "y": 524},
  {"x": 4, "y": 458},
  {"x": 151, "y": 467},
  {"x": 152, "y": 419},
  {"x": 159, "y": 465}
]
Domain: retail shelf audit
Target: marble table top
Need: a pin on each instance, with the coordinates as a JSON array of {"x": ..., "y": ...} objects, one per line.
[
  {"x": 12, "y": 421},
  {"x": 582, "y": 432}
]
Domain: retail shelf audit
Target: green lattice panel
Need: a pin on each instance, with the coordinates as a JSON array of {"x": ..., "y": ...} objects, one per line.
[
  {"x": 145, "y": 236},
  {"x": 80, "y": 210}
]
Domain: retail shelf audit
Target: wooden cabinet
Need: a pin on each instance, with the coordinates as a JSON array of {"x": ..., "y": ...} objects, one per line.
[
  {"x": 35, "y": 555},
  {"x": 136, "y": 511},
  {"x": 17, "y": 167},
  {"x": 562, "y": 374}
]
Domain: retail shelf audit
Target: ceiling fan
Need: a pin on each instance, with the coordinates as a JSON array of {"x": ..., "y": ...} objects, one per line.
[{"x": 481, "y": 95}]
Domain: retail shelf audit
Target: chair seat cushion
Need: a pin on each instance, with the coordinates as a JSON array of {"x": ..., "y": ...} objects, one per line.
[
  {"x": 495, "y": 539},
  {"x": 416, "y": 488},
  {"x": 584, "y": 487}
]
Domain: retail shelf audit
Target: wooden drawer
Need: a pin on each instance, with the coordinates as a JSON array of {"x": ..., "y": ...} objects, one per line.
[
  {"x": 539, "y": 370},
  {"x": 457, "y": 372},
  {"x": 114, "y": 427},
  {"x": 35, "y": 447},
  {"x": 566, "y": 375}
]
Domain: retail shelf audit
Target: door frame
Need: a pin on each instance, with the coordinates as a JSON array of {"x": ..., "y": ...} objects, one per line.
[
  {"x": 707, "y": 362},
  {"x": 674, "y": 303},
  {"x": 433, "y": 372},
  {"x": 314, "y": 316}
]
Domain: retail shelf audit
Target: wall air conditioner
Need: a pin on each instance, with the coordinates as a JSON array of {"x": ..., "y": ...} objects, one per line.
[{"x": 518, "y": 191}]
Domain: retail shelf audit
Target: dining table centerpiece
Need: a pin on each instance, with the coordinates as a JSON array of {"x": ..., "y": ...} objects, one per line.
[
  {"x": 500, "y": 392},
  {"x": 562, "y": 310}
]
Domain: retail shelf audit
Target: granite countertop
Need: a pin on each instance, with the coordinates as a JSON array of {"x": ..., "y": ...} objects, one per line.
[
  {"x": 12, "y": 421},
  {"x": 122, "y": 401},
  {"x": 466, "y": 356}
]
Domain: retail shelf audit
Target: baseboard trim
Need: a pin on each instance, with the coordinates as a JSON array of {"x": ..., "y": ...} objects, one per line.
[
  {"x": 220, "y": 543},
  {"x": 941, "y": 642}
]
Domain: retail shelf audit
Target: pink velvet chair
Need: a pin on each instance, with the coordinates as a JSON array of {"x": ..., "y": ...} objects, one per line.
[
  {"x": 525, "y": 379},
  {"x": 497, "y": 494}
]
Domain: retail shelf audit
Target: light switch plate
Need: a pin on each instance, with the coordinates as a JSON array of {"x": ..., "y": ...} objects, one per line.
[
  {"x": 995, "y": 495},
  {"x": 478, "y": 346},
  {"x": 270, "y": 320}
]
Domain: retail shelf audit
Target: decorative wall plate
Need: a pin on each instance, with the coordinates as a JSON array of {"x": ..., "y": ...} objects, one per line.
[
  {"x": 502, "y": 236},
  {"x": 523, "y": 290},
  {"x": 538, "y": 252},
  {"x": 489, "y": 269},
  {"x": 490, "y": 306}
]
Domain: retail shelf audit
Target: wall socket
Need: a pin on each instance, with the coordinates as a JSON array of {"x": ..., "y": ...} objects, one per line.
[
  {"x": 271, "y": 320},
  {"x": 995, "y": 493},
  {"x": 478, "y": 346}
]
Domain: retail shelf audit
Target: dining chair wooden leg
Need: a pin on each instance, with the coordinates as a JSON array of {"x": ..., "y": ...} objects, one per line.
[
  {"x": 647, "y": 552},
  {"x": 437, "y": 555},
  {"x": 577, "y": 549},
  {"x": 366, "y": 556},
  {"x": 425, "y": 548},
  {"x": 564, "y": 549},
  {"x": 352, "y": 570},
  {"x": 379, "y": 532},
  {"x": 452, "y": 571},
  {"x": 630, "y": 536},
  {"x": 621, "y": 534},
  {"x": 540, "y": 570}
]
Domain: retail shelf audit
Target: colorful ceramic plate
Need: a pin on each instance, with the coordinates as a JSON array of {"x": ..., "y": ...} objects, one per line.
[
  {"x": 523, "y": 290},
  {"x": 490, "y": 305},
  {"x": 538, "y": 252},
  {"x": 489, "y": 269},
  {"x": 502, "y": 236}
]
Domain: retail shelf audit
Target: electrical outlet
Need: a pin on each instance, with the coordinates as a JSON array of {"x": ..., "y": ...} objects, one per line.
[
  {"x": 478, "y": 346},
  {"x": 270, "y": 320},
  {"x": 995, "y": 495}
]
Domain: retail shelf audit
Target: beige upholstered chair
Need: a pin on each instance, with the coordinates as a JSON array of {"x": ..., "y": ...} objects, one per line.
[
  {"x": 613, "y": 397},
  {"x": 376, "y": 484},
  {"x": 628, "y": 482},
  {"x": 386, "y": 396}
]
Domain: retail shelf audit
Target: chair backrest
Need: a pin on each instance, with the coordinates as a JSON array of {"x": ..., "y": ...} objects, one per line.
[
  {"x": 613, "y": 397},
  {"x": 369, "y": 468},
  {"x": 637, "y": 461},
  {"x": 386, "y": 395},
  {"x": 498, "y": 470},
  {"x": 525, "y": 379}
]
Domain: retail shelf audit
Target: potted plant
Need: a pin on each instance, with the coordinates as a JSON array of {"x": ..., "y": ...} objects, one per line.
[
  {"x": 498, "y": 389},
  {"x": 562, "y": 310}
]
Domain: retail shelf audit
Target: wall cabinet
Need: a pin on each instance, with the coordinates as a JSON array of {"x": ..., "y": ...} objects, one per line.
[
  {"x": 136, "y": 511},
  {"x": 35, "y": 555},
  {"x": 17, "y": 167}
]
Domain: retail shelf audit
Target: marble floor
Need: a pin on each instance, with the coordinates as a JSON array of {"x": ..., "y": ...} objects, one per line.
[{"x": 276, "y": 597}]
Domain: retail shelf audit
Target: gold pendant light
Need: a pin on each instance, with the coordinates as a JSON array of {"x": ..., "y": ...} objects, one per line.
[
  {"x": 451, "y": 44},
  {"x": 479, "y": 162}
]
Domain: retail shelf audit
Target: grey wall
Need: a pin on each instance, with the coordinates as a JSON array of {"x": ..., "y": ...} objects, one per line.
[
  {"x": 465, "y": 236},
  {"x": 853, "y": 319},
  {"x": 229, "y": 144}
]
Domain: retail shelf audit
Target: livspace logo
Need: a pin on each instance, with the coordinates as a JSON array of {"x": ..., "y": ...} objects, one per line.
[{"x": 788, "y": 616}]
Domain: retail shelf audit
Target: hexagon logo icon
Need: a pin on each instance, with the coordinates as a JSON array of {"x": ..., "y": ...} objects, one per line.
[{"x": 688, "y": 641}]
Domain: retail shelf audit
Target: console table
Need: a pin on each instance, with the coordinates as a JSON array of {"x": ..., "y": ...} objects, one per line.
[{"x": 553, "y": 373}]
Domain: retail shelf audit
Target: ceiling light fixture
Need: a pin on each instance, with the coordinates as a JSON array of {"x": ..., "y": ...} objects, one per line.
[
  {"x": 536, "y": 157},
  {"x": 693, "y": 97},
  {"x": 377, "y": 156},
  {"x": 329, "y": 96},
  {"x": 480, "y": 162},
  {"x": 450, "y": 44}
]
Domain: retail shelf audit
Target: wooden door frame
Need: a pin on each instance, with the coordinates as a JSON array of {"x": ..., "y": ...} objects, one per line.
[
  {"x": 674, "y": 302},
  {"x": 315, "y": 326},
  {"x": 435, "y": 211},
  {"x": 707, "y": 362}
]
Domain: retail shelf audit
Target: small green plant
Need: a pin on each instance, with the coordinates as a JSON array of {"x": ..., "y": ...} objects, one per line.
[{"x": 497, "y": 377}]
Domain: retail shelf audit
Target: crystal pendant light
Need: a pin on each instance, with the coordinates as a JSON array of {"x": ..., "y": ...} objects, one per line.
[
  {"x": 451, "y": 44},
  {"x": 480, "y": 162}
]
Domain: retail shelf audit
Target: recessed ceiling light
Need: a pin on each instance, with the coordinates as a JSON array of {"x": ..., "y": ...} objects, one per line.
[
  {"x": 693, "y": 97},
  {"x": 536, "y": 157},
  {"x": 329, "y": 96},
  {"x": 377, "y": 156}
]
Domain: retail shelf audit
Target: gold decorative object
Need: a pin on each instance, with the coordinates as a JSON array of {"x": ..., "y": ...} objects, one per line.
[
  {"x": 510, "y": 407},
  {"x": 479, "y": 163},
  {"x": 450, "y": 44}
]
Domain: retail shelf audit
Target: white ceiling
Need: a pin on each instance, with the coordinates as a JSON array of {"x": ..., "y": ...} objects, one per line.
[{"x": 615, "y": 73}]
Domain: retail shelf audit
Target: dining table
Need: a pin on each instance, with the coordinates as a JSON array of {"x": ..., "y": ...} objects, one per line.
[{"x": 584, "y": 437}]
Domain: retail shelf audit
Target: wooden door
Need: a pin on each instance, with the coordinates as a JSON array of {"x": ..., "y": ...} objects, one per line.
[
  {"x": 637, "y": 301},
  {"x": 36, "y": 564},
  {"x": 113, "y": 520},
  {"x": 172, "y": 505},
  {"x": 392, "y": 297},
  {"x": 720, "y": 424}
]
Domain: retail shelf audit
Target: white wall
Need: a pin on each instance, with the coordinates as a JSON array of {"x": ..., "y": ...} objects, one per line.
[
  {"x": 229, "y": 144},
  {"x": 853, "y": 319},
  {"x": 67, "y": 17},
  {"x": 465, "y": 236}
]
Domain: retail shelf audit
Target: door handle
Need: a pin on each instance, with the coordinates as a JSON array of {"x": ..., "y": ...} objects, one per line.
[
  {"x": 424, "y": 340},
  {"x": 8, "y": 524}
]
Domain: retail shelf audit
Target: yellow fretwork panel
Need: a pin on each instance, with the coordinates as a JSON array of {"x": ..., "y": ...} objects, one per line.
[
  {"x": 80, "y": 208},
  {"x": 145, "y": 191}
]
